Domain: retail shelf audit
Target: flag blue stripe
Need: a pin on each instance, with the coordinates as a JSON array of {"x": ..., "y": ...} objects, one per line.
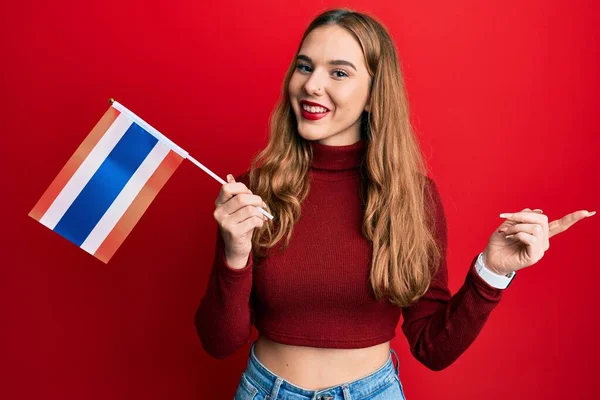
[{"x": 106, "y": 184}]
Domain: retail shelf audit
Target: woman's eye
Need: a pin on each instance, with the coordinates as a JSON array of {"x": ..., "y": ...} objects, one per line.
[
  {"x": 338, "y": 73},
  {"x": 301, "y": 67}
]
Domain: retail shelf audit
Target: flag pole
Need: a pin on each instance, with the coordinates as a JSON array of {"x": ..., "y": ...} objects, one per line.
[
  {"x": 221, "y": 181},
  {"x": 182, "y": 152}
]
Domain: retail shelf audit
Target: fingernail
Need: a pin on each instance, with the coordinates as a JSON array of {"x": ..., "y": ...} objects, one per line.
[
  {"x": 505, "y": 215},
  {"x": 592, "y": 213},
  {"x": 229, "y": 177}
]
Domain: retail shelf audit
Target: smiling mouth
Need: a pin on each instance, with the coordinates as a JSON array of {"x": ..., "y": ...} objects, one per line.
[
  {"x": 314, "y": 109},
  {"x": 312, "y": 112}
]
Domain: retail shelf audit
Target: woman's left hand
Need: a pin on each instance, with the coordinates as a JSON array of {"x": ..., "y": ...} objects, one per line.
[{"x": 523, "y": 238}]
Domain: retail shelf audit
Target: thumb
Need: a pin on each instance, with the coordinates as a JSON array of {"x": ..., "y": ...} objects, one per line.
[{"x": 230, "y": 178}]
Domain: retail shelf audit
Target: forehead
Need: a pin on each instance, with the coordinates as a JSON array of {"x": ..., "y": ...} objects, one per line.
[{"x": 331, "y": 42}]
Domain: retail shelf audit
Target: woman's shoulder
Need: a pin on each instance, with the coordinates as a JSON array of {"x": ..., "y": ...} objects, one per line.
[
  {"x": 429, "y": 186},
  {"x": 432, "y": 197}
]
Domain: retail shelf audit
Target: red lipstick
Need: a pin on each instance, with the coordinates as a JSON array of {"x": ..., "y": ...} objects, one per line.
[{"x": 310, "y": 115}]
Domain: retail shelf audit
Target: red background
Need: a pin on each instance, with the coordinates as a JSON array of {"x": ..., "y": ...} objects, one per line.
[{"x": 504, "y": 97}]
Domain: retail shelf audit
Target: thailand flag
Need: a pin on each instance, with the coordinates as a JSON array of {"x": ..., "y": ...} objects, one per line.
[{"x": 103, "y": 190}]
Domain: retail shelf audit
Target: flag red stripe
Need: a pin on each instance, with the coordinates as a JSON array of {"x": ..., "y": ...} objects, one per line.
[
  {"x": 139, "y": 205},
  {"x": 73, "y": 164}
]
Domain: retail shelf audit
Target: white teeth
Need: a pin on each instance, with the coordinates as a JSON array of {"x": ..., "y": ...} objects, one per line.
[{"x": 313, "y": 110}]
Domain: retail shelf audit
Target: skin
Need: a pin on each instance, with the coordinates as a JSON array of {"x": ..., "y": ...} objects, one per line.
[
  {"x": 345, "y": 92},
  {"x": 342, "y": 89},
  {"x": 520, "y": 241}
]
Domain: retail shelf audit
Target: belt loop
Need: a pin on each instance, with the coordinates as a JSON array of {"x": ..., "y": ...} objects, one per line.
[
  {"x": 275, "y": 391},
  {"x": 346, "y": 392},
  {"x": 397, "y": 361}
]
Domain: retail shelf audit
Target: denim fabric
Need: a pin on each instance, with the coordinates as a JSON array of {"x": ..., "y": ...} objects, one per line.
[{"x": 258, "y": 383}]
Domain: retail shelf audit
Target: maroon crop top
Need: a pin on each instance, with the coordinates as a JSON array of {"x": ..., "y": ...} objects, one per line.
[{"x": 316, "y": 293}]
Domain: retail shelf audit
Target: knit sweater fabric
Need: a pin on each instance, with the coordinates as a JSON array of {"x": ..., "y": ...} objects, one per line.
[{"x": 317, "y": 293}]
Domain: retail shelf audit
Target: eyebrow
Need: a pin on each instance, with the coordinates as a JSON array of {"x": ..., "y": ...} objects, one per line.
[{"x": 331, "y": 62}]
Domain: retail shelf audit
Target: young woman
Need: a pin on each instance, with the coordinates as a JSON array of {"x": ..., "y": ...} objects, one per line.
[{"x": 342, "y": 171}]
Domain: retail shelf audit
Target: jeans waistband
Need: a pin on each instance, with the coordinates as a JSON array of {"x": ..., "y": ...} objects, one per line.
[{"x": 360, "y": 388}]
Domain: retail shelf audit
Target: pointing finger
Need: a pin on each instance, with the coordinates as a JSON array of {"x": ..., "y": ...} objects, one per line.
[{"x": 561, "y": 225}]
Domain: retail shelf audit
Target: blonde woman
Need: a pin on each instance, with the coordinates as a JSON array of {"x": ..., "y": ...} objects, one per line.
[{"x": 359, "y": 235}]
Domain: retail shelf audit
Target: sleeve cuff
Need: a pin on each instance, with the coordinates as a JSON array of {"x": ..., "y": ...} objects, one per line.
[
  {"x": 482, "y": 287},
  {"x": 235, "y": 271},
  {"x": 493, "y": 279}
]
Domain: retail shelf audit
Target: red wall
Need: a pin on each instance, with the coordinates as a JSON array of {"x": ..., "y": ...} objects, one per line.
[{"x": 503, "y": 95}]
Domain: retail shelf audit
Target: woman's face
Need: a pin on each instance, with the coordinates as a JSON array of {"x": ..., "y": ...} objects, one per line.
[{"x": 330, "y": 86}]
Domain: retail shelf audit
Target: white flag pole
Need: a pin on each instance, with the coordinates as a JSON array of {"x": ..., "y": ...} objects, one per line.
[
  {"x": 118, "y": 106},
  {"x": 221, "y": 181}
]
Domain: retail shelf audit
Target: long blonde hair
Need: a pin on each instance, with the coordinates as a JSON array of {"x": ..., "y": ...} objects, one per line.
[{"x": 393, "y": 175}]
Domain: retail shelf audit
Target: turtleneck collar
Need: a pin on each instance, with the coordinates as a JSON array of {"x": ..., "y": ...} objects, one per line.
[{"x": 337, "y": 158}]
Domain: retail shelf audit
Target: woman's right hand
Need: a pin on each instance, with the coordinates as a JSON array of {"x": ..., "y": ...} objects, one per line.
[{"x": 237, "y": 216}]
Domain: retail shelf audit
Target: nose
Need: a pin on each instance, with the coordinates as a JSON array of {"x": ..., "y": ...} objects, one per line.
[{"x": 315, "y": 84}]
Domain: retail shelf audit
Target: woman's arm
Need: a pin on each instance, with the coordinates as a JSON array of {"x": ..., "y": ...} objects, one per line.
[
  {"x": 440, "y": 327},
  {"x": 225, "y": 316}
]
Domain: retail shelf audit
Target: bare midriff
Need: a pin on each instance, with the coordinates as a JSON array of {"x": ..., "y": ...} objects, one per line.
[{"x": 316, "y": 368}]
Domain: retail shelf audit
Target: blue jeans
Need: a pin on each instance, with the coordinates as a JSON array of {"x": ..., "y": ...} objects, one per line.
[{"x": 258, "y": 383}]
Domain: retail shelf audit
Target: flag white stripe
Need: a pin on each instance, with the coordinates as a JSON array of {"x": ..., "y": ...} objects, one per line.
[
  {"x": 150, "y": 129},
  {"x": 86, "y": 170},
  {"x": 130, "y": 191}
]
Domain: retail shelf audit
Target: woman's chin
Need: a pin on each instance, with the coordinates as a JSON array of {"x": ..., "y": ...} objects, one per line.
[{"x": 310, "y": 134}]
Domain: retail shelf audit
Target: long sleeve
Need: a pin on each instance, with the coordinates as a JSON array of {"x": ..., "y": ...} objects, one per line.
[
  {"x": 440, "y": 326},
  {"x": 224, "y": 318}
]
